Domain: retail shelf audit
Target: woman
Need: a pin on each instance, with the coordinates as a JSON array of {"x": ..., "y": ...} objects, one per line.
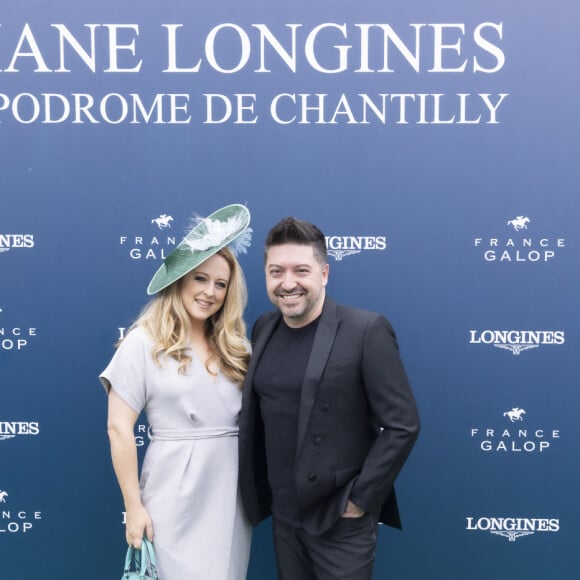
[{"x": 183, "y": 362}]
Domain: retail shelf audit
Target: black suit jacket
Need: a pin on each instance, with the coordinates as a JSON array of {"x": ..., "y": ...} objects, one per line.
[{"x": 357, "y": 424}]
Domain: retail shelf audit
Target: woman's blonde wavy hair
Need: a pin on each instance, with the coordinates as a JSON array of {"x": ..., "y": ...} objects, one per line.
[{"x": 167, "y": 322}]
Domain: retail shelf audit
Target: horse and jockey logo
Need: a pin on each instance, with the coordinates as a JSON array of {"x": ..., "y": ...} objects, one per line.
[
  {"x": 519, "y": 223},
  {"x": 163, "y": 221},
  {"x": 16, "y": 520},
  {"x": 151, "y": 245},
  {"x": 515, "y": 414},
  {"x": 518, "y": 244},
  {"x": 502, "y": 439}
]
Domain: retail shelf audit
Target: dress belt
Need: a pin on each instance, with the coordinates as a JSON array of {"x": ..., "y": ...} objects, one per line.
[{"x": 186, "y": 434}]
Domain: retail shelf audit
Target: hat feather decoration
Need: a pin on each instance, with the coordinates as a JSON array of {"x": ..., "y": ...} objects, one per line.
[{"x": 227, "y": 226}]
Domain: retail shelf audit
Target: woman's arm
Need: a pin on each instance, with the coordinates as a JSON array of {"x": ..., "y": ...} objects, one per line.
[{"x": 120, "y": 423}]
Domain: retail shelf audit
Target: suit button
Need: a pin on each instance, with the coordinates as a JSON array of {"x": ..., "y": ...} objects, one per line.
[
  {"x": 312, "y": 476},
  {"x": 326, "y": 407},
  {"x": 317, "y": 440}
]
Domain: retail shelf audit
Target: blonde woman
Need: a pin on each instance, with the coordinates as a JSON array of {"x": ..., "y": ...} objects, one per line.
[{"x": 183, "y": 362}]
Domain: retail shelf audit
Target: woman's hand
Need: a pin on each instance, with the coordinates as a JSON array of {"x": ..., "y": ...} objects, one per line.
[{"x": 138, "y": 524}]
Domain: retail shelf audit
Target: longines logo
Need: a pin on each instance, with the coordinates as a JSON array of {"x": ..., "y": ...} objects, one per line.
[
  {"x": 14, "y": 337},
  {"x": 16, "y": 241},
  {"x": 512, "y": 528},
  {"x": 151, "y": 244},
  {"x": 341, "y": 246},
  {"x": 514, "y": 434},
  {"x": 518, "y": 245},
  {"x": 15, "y": 520},
  {"x": 12, "y": 429},
  {"x": 517, "y": 341}
]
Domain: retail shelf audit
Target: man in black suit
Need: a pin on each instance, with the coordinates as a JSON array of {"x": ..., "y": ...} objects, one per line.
[{"x": 328, "y": 418}]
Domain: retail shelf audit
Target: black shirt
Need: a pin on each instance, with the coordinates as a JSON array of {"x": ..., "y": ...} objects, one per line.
[{"x": 278, "y": 384}]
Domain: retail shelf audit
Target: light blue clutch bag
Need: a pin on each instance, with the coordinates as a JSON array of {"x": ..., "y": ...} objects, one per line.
[{"x": 143, "y": 562}]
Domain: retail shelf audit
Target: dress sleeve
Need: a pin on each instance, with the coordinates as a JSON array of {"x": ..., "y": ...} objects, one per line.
[{"x": 126, "y": 371}]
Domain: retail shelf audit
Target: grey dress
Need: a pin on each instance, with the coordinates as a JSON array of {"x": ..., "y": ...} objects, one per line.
[{"x": 189, "y": 478}]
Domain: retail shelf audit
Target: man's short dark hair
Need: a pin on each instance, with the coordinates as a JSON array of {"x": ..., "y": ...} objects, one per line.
[{"x": 294, "y": 231}]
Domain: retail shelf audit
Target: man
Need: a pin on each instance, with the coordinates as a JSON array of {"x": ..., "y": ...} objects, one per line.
[{"x": 328, "y": 418}]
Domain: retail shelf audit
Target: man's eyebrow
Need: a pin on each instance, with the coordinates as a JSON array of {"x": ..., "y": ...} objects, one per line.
[{"x": 293, "y": 266}]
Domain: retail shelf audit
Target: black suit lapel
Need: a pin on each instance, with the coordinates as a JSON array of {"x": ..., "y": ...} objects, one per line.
[{"x": 323, "y": 341}]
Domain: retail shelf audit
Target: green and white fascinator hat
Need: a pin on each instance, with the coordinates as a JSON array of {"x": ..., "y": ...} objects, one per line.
[{"x": 227, "y": 226}]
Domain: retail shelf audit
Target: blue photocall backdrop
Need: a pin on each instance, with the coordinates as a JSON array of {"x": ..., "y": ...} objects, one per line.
[{"x": 435, "y": 144}]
